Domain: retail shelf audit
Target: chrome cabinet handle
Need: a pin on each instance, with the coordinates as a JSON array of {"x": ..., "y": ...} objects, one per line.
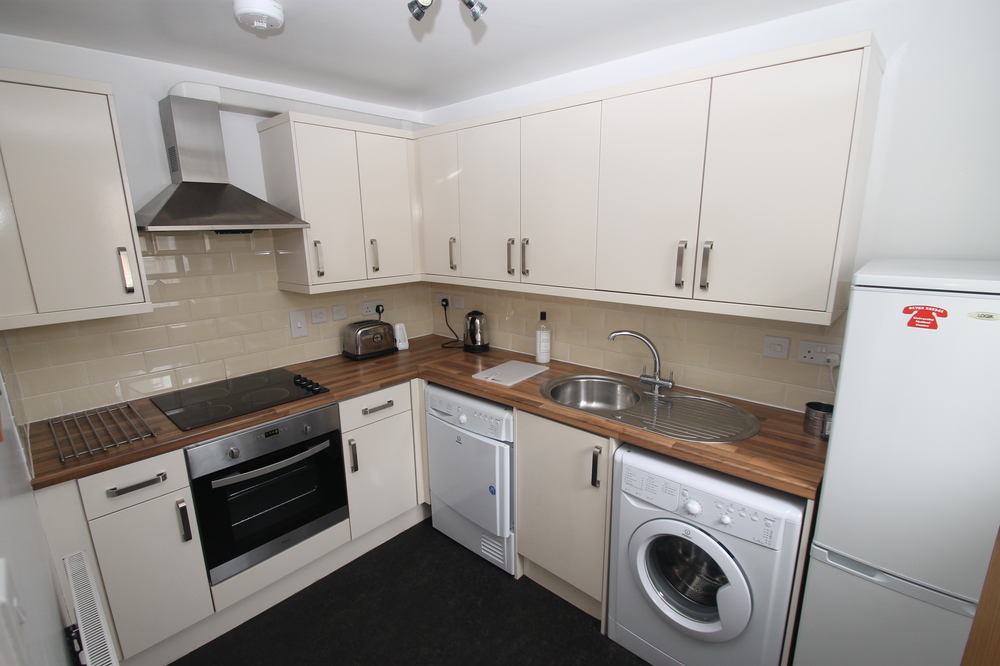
[
  {"x": 524, "y": 255},
  {"x": 354, "y": 455},
  {"x": 706, "y": 249},
  {"x": 126, "y": 270},
  {"x": 451, "y": 253},
  {"x": 320, "y": 270},
  {"x": 371, "y": 410},
  {"x": 264, "y": 471},
  {"x": 118, "y": 492},
  {"x": 510, "y": 260},
  {"x": 679, "y": 275},
  {"x": 374, "y": 244},
  {"x": 182, "y": 508},
  {"x": 594, "y": 481}
]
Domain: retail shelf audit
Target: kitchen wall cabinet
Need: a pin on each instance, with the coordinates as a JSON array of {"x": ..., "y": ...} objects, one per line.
[
  {"x": 777, "y": 157},
  {"x": 148, "y": 549},
  {"x": 652, "y": 158},
  {"x": 560, "y": 159},
  {"x": 354, "y": 189},
  {"x": 563, "y": 484},
  {"x": 733, "y": 189},
  {"x": 378, "y": 457},
  {"x": 65, "y": 208},
  {"x": 439, "y": 175},
  {"x": 489, "y": 185}
]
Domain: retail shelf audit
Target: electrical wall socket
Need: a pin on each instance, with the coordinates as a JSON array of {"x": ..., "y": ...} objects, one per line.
[
  {"x": 368, "y": 308},
  {"x": 339, "y": 312},
  {"x": 816, "y": 352},
  {"x": 438, "y": 297},
  {"x": 318, "y": 315}
]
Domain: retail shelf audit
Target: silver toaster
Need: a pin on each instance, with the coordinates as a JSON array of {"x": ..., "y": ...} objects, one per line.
[{"x": 368, "y": 339}]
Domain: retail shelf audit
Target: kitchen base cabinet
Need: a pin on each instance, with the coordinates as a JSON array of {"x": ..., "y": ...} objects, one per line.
[
  {"x": 148, "y": 549},
  {"x": 69, "y": 249},
  {"x": 378, "y": 457},
  {"x": 563, "y": 491}
]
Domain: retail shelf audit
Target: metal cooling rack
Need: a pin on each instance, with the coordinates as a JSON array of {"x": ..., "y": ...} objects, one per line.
[{"x": 94, "y": 430}]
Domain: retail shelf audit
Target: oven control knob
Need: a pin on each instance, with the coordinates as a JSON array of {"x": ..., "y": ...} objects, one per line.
[
  {"x": 726, "y": 520},
  {"x": 462, "y": 418},
  {"x": 234, "y": 453},
  {"x": 692, "y": 507},
  {"x": 297, "y": 380},
  {"x": 306, "y": 428}
]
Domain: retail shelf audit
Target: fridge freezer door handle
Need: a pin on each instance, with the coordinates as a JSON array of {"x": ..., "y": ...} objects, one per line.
[{"x": 894, "y": 583}]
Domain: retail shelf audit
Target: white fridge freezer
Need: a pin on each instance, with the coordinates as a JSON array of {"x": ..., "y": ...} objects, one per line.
[{"x": 910, "y": 503}]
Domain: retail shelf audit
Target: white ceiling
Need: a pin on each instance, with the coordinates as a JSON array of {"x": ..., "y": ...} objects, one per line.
[{"x": 372, "y": 50}]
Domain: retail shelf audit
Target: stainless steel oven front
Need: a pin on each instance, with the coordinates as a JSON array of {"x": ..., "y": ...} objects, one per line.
[{"x": 262, "y": 490}]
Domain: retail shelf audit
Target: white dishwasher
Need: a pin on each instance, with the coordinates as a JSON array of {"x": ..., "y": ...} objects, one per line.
[{"x": 470, "y": 458}]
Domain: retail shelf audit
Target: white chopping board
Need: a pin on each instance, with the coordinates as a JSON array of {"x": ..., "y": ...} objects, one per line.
[{"x": 510, "y": 373}]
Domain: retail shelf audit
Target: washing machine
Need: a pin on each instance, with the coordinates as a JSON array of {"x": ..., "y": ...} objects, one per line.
[{"x": 702, "y": 564}]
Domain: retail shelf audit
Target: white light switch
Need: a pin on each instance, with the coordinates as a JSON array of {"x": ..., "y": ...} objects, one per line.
[
  {"x": 339, "y": 312},
  {"x": 298, "y": 321},
  {"x": 775, "y": 347}
]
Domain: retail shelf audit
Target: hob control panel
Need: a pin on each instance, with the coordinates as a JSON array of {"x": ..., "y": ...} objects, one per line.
[{"x": 696, "y": 506}]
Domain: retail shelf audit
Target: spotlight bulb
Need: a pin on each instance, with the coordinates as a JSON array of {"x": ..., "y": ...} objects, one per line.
[
  {"x": 417, "y": 7},
  {"x": 476, "y": 8}
]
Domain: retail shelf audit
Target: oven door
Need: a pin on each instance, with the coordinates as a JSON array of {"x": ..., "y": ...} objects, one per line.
[{"x": 250, "y": 511}]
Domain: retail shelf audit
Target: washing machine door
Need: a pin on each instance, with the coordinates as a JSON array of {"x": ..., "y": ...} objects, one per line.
[{"x": 690, "y": 579}]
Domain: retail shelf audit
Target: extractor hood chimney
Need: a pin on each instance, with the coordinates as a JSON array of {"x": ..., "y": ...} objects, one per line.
[{"x": 201, "y": 197}]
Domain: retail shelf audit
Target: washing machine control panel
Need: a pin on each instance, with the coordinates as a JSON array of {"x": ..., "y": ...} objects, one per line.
[{"x": 697, "y": 506}]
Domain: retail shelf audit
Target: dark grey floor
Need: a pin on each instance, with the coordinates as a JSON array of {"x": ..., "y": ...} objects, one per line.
[{"x": 418, "y": 599}]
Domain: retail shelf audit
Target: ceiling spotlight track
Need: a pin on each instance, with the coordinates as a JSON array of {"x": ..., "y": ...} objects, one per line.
[{"x": 419, "y": 7}]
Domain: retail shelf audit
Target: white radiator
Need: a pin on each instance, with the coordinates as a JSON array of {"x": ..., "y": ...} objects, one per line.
[{"x": 98, "y": 649}]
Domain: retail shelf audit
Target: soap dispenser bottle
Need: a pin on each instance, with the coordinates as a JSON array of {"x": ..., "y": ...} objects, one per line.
[{"x": 543, "y": 341}]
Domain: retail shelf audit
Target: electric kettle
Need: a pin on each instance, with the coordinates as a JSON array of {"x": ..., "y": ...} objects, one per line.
[{"x": 477, "y": 338}]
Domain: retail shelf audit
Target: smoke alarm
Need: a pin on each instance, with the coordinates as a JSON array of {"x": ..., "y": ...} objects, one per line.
[{"x": 259, "y": 14}]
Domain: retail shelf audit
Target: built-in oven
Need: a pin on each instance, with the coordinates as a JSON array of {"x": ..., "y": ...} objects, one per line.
[{"x": 262, "y": 490}]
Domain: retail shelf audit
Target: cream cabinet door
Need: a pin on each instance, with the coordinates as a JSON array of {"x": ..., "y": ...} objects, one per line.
[
  {"x": 652, "y": 157},
  {"x": 67, "y": 186},
  {"x": 381, "y": 473},
  {"x": 489, "y": 159},
  {"x": 330, "y": 190},
  {"x": 779, "y": 140},
  {"x": 437, "y": 156},
  {"x": 561, "y": 515},
  {"x": 153, "y": 573},
  {"x": 560, "y": 160},
  {"x": 383, "y": 165}
]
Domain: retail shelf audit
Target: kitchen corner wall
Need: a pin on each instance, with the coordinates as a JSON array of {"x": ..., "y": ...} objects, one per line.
[
  {"x": 715, "y": 353},
  {"x": 217, "y": 313}
]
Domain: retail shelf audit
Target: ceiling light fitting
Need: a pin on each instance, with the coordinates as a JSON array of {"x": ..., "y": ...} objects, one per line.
[
  {"x": 259, "y": 14},
  {"x": 419, "y": 7}
]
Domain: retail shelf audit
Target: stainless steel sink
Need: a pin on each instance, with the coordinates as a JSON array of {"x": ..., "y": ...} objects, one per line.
[
  {"x": 672, "y": 413},
  {"x": 592, "y": 393}
]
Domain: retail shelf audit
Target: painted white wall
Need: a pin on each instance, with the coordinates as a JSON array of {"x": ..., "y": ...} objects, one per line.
[
  {"x": 936, "y": 156},
  {"x": 26, "y": 554}
]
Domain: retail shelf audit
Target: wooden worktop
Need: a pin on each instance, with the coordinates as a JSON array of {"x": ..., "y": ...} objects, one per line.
[{"x": 780, "y": 456}]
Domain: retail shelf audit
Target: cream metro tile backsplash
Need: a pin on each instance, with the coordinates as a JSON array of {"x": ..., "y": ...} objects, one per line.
[{"x": 218, "y": 313}]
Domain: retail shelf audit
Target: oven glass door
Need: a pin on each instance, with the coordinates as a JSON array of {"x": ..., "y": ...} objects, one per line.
[{"x": 252, "y": 511}]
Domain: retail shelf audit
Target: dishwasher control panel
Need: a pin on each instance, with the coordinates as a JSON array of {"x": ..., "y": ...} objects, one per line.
[{"x": 468, "y": 412}]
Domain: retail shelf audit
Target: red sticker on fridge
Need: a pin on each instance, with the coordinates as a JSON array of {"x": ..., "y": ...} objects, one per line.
[{"x": 924, "y": 316}]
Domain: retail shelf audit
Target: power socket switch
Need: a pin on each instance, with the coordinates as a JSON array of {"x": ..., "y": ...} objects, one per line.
[
  {"x": 817, "y": 352},
  {"x": 297, "y": 320},
  {"x": 368, "y": 308},
  {"x": 318, "y": 315},
  {"x": 775, "y": 347},
  {"x": 339, "y": 312},
  {"x": 458, "y": 301},
  {"x": 439, "y": 299}
]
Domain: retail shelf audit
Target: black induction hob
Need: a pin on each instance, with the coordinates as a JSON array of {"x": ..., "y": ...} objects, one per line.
[{"x": 210, "y": 403}]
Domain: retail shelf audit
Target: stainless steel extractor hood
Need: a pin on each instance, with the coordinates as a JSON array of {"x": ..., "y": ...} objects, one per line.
[{"x": 201, "y": 197}]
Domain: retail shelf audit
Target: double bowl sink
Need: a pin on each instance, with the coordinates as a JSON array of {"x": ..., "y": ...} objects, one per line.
[{"x": 672, "y": 413}]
